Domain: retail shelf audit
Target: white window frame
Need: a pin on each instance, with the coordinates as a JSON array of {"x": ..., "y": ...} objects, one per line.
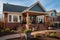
[{"x": 12, "y": 18}]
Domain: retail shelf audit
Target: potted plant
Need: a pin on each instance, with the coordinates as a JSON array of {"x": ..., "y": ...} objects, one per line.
[{"x": 28, "y": 33}]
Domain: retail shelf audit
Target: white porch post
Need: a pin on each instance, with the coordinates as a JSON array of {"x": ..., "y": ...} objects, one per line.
[
  {"x": 12, "y": 19},
  {"x": 27, "y": 18},
  {"x": 18, "y": 19}
]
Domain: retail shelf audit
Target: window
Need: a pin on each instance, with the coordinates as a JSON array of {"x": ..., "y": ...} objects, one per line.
[
  {"x": 20, "y": 18},
  {"x": 33, "y": 19},
  {"x": 51, "y": 14},
  {"x": 15, "y": 18},
  {"x": 10, "y": 18}
]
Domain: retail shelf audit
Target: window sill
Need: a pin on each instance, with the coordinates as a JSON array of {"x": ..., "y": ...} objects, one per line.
[{"x": 13, "y": 22}]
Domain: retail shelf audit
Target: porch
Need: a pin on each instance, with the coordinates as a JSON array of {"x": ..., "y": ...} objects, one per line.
[
  {"x": 32, "y": 17},
  {"x": 32, "y": 21}
]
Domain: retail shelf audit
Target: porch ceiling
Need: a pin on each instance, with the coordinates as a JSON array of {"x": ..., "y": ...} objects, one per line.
[{"x": 35, "y": 13}]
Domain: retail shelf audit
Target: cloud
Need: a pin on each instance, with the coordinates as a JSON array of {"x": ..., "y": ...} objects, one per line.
[
  {"x": 45, "y": 2},
  {"x": 51, "y": 4},
  {"x": 1, "y": 5},
  {"x": 29, "y": 2},
  {"x": 1, "y": 8}
]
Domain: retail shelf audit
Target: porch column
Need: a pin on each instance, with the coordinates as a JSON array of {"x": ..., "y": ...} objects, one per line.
[
  {"x": 44, "y": 19},
  {"x": 36, "y": 19},
  {"x": 27, "y": 20},
  {"x": 12, "y": 18},
  {"x": 19, "y": 19}
]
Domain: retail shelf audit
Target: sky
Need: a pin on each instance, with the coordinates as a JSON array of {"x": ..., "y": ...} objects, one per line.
[{"x": 47, "y": 4}]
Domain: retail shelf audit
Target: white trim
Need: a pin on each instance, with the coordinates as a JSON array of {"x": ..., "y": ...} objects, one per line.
[
  {"x": 36, "y": 11},
  {"x": 18, "y": 19},
  {"x": 33, "y": 6},
  {"x": 12, "y": 18},
  {"x": 56, "y": 22},
  {"x": 11, "y": 12},
  {"x": 8, "y": 18}
]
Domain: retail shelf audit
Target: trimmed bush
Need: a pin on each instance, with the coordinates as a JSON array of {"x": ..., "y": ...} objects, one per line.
[
  {"x": 52, "y": 34},
  {"x": 35, "y": 35},
  {"x": 12, "y": 30},
  {"x": 1, "y": 24},
  {"x": 2, "y": 30},
  {"x": 7, "y": 29}
]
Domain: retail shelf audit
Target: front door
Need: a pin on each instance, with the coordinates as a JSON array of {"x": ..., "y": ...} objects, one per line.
[{"x": 33, "y": 19}]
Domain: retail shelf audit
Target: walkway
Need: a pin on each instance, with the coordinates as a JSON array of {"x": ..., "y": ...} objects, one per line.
[
  {"x": 22, "y": 34},
  {"x": 11, "y": 36}
]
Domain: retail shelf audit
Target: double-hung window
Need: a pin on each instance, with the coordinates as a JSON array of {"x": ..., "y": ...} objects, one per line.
[
  {"x": 15, "y": 19},
  {"x": 10, "y": 17}
]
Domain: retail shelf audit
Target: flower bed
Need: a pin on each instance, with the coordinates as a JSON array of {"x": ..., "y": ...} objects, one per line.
[{"x": 6, "y": 31}]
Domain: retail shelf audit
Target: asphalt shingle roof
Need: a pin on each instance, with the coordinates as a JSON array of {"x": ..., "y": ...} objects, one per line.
[{"x": 13, "y": 8}]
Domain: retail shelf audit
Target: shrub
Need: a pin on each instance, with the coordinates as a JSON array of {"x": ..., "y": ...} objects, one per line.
[
  {"x": 1, "y": 25},
  {"x": 7, "y": 29},
  {"x": 52, "y": 34},
  {"x": 2, "y": 30},
  {"x": 12, "y": 30},
  {"x": 35, "y": 35}
]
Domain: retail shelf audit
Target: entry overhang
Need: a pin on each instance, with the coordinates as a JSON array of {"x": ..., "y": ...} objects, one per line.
[{"x": 35, "y": 13}]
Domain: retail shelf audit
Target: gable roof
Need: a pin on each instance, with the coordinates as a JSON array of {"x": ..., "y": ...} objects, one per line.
[
  {"x": 13, "y": 8},
  {"x": 37, "y": 3},
  {"x": 16, "y": 8},
  {"x": 36, "y": 8}
]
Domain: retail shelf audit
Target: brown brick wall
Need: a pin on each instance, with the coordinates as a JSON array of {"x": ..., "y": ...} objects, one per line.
[
  {"x": 56, "y": 19},
  {"x": 14, "y": 25},
  {"x": 5, "y": 17},
  {"x": 40, "y": 26}
]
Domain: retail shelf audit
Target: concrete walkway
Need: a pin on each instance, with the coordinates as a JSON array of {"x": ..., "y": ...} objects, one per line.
[{"x": 11, "y": 36}]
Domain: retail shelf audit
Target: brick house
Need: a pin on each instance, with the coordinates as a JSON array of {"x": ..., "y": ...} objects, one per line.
[
  {"x": 34, "y": 17},
  {"x": 56, "y": 18}
]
